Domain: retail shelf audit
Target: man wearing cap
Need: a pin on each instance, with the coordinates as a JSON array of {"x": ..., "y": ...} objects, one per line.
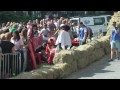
[
  {"x": 56, "y": 34},
  {"x": 115, "y": 37},
  {"x": 63, "y": 39}
]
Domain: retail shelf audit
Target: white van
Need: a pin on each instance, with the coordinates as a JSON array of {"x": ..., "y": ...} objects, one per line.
[{"x": 96, "y": 23}]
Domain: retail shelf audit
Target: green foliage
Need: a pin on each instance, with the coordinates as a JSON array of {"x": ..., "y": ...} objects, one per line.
[
  {"x": 12, "y": 17},
  {"x": 24, "y": 16}
]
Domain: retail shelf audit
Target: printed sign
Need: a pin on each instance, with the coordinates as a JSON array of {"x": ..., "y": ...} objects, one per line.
[{"x": 86, "y": 21}]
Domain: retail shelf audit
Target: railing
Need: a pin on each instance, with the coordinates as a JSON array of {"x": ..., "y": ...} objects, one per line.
[{"x": 12, "y": 64}]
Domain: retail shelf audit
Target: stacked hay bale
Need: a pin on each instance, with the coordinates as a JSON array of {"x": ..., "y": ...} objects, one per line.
[
  {"x": 55, "y": 72},
  {"x": 66, "y": 57},
  {"x": 116, "y": 18},
  {"x": 84, "y": 55},
  {"x": 69, "y": 61}
]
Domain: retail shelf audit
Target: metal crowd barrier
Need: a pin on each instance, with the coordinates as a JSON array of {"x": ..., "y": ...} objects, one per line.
[
  {"x": 11, "y": 64},
  {"x": 25, "y": 59}
]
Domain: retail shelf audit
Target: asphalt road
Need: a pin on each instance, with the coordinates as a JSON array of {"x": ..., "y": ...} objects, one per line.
[{"x": 101, "y": 69}]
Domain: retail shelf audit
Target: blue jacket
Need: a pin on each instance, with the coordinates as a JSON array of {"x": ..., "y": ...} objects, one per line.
[{"x": 115, "y": 35}]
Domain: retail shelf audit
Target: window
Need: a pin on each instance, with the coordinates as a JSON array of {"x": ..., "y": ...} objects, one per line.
[
  {"x": 108, "y": 18},
  {"x": 75, "y": 22},
  {"x": 99, "y": 21}
]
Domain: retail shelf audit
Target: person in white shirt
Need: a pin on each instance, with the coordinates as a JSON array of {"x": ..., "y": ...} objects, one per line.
[
  {"x": 19, "y": 44},
  {"x": 63, "y": 39},
  {"x": 17, "y": 41},
  {"x": 45, "y": 32}
]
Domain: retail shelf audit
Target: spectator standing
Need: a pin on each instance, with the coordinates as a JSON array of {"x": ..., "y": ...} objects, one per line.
[
  {"x": 63, "y": 39},
  {"x": 115, "y": 38},
  {"x": 82, "y": 34},
  {"x": 45, "y": 32}
]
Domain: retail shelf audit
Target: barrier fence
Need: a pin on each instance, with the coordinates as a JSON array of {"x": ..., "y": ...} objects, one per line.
[{"x": 12, "y": 64}]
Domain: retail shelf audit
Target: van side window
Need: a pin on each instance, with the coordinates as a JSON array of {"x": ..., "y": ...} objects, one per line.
[
  {"x": 99, "y": 21},
  {"x": 75, "y": 22},
  {"x": 108, "y": 18}
]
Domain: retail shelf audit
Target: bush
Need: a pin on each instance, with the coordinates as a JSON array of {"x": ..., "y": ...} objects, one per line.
[{"x": 12, "y": 17}]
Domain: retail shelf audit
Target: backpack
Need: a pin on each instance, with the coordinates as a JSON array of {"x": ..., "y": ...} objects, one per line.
[{"x": 91, "y": 32}]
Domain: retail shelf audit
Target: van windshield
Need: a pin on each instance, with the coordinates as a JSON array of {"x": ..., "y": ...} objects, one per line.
[
  {"x": 99, "y": 21},
  {"x": 108, "y": 18}
]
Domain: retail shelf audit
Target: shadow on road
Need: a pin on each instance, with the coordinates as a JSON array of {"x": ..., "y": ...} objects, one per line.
[{"x": 93, "y": 69}]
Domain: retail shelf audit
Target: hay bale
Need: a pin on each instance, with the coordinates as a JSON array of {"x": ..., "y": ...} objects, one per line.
[
  {"x": 115, "y": 17},
  {"x": 91, "y": 58},
  {"x": 55, "y": 73},
  {"x": 24, "y": 75},
  {"x": 95, "y": 44},
  {"x": 81, "y": 59},
  {"x": 105, "y": 44},
  {"x": 36, "y": 75},
  {"x": 62, "y": 70},
  {"x": 57, "y": 58},
  {"x": 52, "y": 73},
  {"x": 45, "y": 73},
  {"x": 82, "y": 62},
  {"x": 83, "y": 51},
  {"x": 74, "y": 47},
  {"x": 74, "y": 66},
  {"x": 28, "y": 75},
  {"x": 108, "y": 50},
  {"x": 89, "y": 47},
  {"x": 100, "y": 54},
  {"x": 67, "y": 57},
  {"x": 86, "y": 47},
  {"x": 104, "y": 41},
  {"x": 76, "y": 55},
  {"x": 64, "y": 57}
]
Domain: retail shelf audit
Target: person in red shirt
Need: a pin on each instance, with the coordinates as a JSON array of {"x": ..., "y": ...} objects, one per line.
[{"x": 50, "y": 50}]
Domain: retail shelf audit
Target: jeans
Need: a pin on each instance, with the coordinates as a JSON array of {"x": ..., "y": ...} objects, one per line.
[{"x": 22, "y": 57}]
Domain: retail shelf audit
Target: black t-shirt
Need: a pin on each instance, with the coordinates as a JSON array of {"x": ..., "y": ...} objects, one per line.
[
  {"x": 39, "y": 49},
  {"x": 6, "y": 46}
]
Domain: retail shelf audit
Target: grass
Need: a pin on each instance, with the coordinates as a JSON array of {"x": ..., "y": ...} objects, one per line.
[{"x": 44, "y": 65}]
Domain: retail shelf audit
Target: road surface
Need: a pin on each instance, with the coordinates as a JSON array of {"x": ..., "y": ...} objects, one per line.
[{"x": 99, "y": 70}]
